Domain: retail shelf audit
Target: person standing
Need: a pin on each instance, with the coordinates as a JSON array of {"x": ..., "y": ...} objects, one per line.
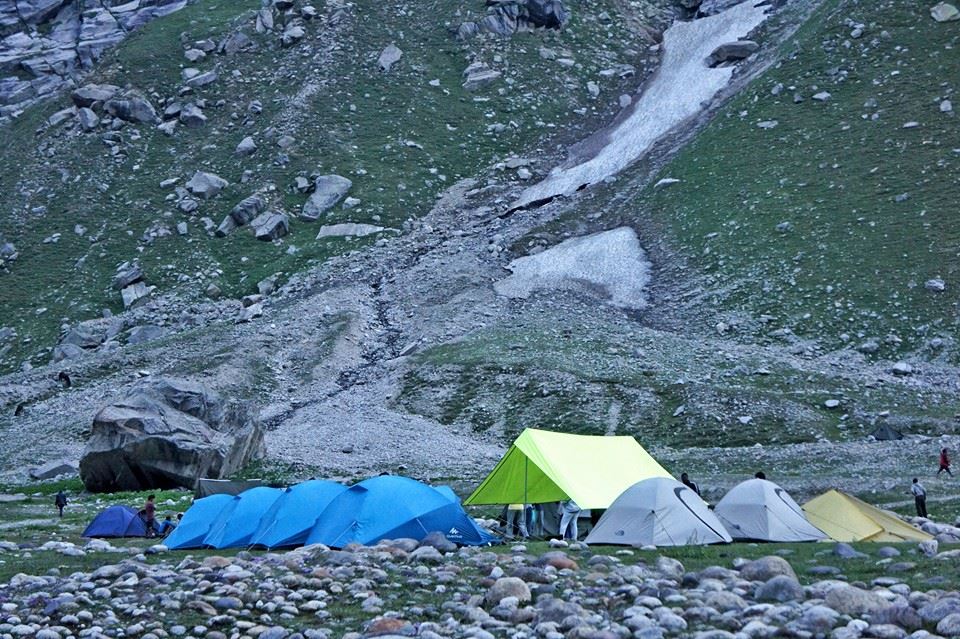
[
  {"x": 569, "y": 511},
  {"x": 919, "y": 498},
  {"x": 944, "y": 462},
  {"x": 516, "y": 518},
  {"x": 686, "y": 481},
  {"x": 60, "y": 501},
  {"x": 150, "y": 516}
]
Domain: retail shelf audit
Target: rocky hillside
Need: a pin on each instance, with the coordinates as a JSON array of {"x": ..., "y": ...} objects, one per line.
[{"x": 409, "y": 230}]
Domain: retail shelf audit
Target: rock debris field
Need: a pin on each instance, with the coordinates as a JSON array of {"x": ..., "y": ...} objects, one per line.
[{"x": 432, "y": 589}]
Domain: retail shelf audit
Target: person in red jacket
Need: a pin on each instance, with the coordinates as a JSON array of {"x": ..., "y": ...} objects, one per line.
[{"x": 944, "y": 462}]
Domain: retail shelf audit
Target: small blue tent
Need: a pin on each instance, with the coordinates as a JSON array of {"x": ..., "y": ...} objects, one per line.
[
  {"x": 117, "y": 521},
  {"x": 389, "y": 507},
  {"x": 238, "y": 522},
  {"x": 294, "y": 514},
  {"x": 197, "y": 521}
]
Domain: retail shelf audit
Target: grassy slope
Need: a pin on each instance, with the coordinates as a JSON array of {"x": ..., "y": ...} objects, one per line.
[
  {"x": 357, "y": 124},
  {"x": 854, "y": 264},
  {"x": 851, "y": 268}
]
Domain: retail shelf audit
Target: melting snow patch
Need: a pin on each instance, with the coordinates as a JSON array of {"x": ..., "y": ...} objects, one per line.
[
  {"x": 678, "y": 91},
  {"x": 612, "y": 262}
]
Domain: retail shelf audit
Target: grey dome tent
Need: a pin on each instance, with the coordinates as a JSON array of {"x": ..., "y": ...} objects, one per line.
[
  {"x": 885, "y": 432},
  {"x": 759, "y": 510},
  {"x": 659, "y": 511}
]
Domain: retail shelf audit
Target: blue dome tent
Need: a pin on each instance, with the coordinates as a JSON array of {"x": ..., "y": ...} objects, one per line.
[
  {"x": 117, "y": 521},
  {"x": 390, "y": 507},
  {"x": 197, "y": 521},
  {"x": 238, "y": 522},
  {"x": 292, "y": 516}
]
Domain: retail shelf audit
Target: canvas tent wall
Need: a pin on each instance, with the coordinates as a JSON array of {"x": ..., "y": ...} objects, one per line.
[
  {"x": 116, "y": 521},
  {"x": 661, "y": 512},
  {"x": 207, "y": 487},
  {"x": 390, "y": 507},
  {"x": 292, "y": 516},
  {"x": 196, "y": 522},
  {"x": 759, "y": 510},
  {"x": 543, "y": 466},
  {"x": 237, "y": 523},
  {"x": 846, "y": 518}
]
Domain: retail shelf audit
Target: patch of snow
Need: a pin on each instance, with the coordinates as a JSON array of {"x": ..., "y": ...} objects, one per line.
[
  {"x": 612, "y": 262},
  {"x": 677, "y": 92}
]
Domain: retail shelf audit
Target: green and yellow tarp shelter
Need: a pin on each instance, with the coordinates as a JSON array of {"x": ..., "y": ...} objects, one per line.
[
  {"x": 846, "y": 518},
  {"x": 543, "y": 466}
]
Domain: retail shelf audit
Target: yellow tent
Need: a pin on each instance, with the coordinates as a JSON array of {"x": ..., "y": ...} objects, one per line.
[
  {"x": 846, "y": 518},
  {"x": 543, "y": 466}
]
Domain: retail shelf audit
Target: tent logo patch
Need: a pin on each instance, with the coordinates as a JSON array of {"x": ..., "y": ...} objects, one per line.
[{"x": 453, "y": 531}]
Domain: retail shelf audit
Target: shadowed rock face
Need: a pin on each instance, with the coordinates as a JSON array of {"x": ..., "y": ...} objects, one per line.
[{"x": 168, "y": 433}]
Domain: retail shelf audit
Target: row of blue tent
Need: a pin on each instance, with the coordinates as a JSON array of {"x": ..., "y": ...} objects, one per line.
[{"x": 326, "y": 512}]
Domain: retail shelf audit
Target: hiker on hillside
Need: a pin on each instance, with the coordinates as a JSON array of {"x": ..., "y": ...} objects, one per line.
[
  {"x": 944, "y": 462},
  {"x": 919, "y": 498},
  {"x": 686, "y": 481},
  {"x": 150, "y": 515},
  {"x": 60, "y": 501},
  {"x": 569, "y": 511}
]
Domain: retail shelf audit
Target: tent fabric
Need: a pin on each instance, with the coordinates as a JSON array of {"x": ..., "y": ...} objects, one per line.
[
  {"x": 845, "y": 518},
  {"x": 659, "y": 512},
  {"x": 117, "y": 521},
  {"x": 239, "y": 521},
  {"x": 886, "y": 433},
  {"x": 543, "y": 466},
  {"x": 759, "y": 510},
  {"x": 196, "y": 522},
  {"x": 292, "y": 516},
  {"x": 391, "y": 507},
  {"x": 207, "y": 487}
]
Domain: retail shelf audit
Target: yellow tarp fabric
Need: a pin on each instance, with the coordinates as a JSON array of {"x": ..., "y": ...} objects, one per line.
[
  {"x": 543, "y": 466},
  {"x": 846, "y": 518}
]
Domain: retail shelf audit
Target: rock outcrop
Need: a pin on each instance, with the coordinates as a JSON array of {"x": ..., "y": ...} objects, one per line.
[
  {"x": 166, "y": 433},
  {"x": 47, "y": 45}
]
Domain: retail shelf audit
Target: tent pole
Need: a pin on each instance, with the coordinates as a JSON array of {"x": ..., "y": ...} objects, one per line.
[{"x": 526, "y": 464}]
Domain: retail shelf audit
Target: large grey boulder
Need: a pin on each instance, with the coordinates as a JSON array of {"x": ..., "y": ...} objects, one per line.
[
  {"x": 53, "y": 469},
  {"x": 167, "y": 433},
  {"x": 271, "y": 225},
  {"x": 90, "y": 94},
  {"x": 766, "y": 568},
  {"x": 206, "y": 185},
  {"x": 329, "y": 189},
  {"x": 132, "y": 107},
  {"x": 733, "y": 51},
  {"x": 849, "y": 600},
  {"x": 390, "y": 55},
  {"x": 247, "y": 209}
]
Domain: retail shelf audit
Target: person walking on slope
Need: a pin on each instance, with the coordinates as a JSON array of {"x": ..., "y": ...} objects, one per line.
[
  {"x": 944, "y": 462},
  {"x": 60, "y": 501},
  {"x": 569, "y": 511},
  {"x": 919, "y": 498}
]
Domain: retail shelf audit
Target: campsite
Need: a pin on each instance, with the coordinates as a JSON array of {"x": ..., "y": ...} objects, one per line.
[{"x": 358, "y": 538}]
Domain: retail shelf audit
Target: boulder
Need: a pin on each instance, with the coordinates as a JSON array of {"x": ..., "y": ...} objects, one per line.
[
  {"x": 132, "y": 107},
  {"x": 819, "y": 619},
  {"x": 53, "y": 469},
  {"x": 390, "y": 55},
  {"x": 547, "y": 14},
  {"x": 949, "y": 626},
  {"x": 134, "y": 293},
  {"x": 91, "y": 94},
  {"x": 206, "y": 185},
  {"x": 247, "y": 209},
  {"x": 849, "y": 600},
  {"x": 66, "y": 351},
  {"x": 247, "y": 146},
  {"x": 328, "y": 190},
  {"x": 166, "y": 433},
  {"x": 192, "y": 116},
  {"x": 348, "y": 229},
  {"x": 766, "y": 568},
  {"x": 202, "y": 79},
  {"x": 732, "y": 51},
  {"x": 478, "y": 75},
  {"x": 89, "y": 334},
  {"x": 944, "y": 12},
  {"x": 846, "y": 551},
  {"x": 439, "y": 541},
  {"x": 88, "y": 119},
  {"x": 935, "y": 611},
  {"x": 270, "y": 226},
  {"x": 781, "y": 588},
  {"x": 126, "y": 275},
  {"x": 507, "y": 587},
  {"x": 145, "y": 333},
  {"x": 928, "y": 548},
  {"x": 898, "y": 615}
]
